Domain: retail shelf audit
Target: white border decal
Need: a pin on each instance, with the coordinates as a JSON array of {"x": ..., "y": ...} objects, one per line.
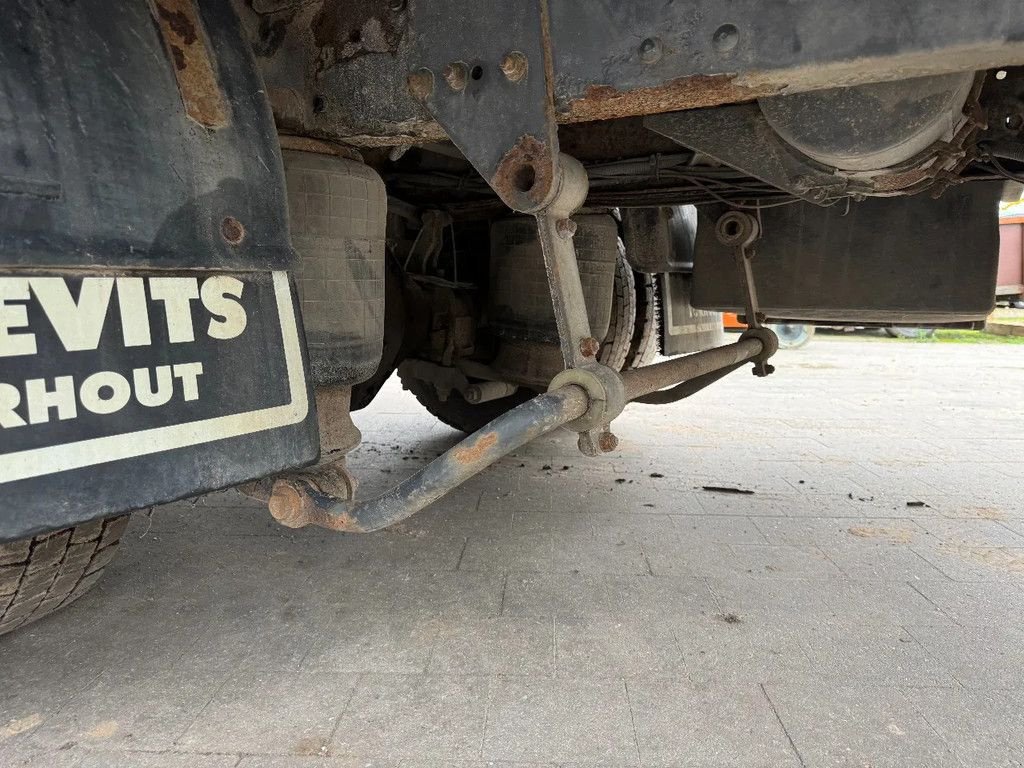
[{"x": 100, "y": 450}]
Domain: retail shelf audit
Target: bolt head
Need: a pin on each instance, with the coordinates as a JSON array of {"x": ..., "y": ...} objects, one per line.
[
  {"x": 232, "y": 231},
  {"x": 396, "y": 6},
  {"x": 726, "y": 38},
  {"x": 650, "y": 50},
  {"x": 565, "y": 228},
  {"x": 456, "y": 75},
  {"x": 514, "y": 66},
  {"x": 589, "y": 347}
]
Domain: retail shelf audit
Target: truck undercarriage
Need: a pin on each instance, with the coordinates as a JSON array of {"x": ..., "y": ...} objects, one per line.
[{"x": 227, "y": 224}]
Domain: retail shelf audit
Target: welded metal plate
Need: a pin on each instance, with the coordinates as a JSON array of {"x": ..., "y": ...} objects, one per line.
[
  {"x": 122, "y": 391},
  {"x": 505, "y": 127}
]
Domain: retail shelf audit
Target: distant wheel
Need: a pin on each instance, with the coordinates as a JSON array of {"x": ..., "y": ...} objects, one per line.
[
  {"x": 792, "y": 335},
  {"x": 644, "y": 345},
  {"x": 617, "y": 345},
  {"x": 631, "y": 341},
  {"x": 910, "y": 333},
  {"x": 456, "y": 412}
]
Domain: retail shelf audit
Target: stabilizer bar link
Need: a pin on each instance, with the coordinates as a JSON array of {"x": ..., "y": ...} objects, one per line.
[{"x": 297, "y": 501}]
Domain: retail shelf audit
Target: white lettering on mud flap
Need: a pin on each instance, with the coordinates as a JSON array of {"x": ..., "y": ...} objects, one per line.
[{"x": 112, "y": 325}]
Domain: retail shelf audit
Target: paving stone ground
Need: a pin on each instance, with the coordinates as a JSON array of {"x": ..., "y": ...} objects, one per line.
[{"x": 861, "y": 607}]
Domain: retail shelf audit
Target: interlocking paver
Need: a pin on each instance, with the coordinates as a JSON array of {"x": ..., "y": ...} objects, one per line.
[
  {"x": 556, "y": 617},
  {"x": 415, "y": 717},
  {"x": 858, "y": 726},
  {"x": 561, "y": 720},
  {"x": 720, "y": 724},
  {"x": 271, "y": 713}
]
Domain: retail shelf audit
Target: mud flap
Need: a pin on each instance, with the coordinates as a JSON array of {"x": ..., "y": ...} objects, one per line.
[{"x": 150, "y": 342}]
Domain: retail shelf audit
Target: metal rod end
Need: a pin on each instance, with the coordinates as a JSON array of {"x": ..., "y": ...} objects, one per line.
[{"x": 286, "y": 505}]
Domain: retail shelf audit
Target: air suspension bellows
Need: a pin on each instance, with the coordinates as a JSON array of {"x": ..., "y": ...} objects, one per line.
[
  {"x": 519, "y": 300},
  {"x": 337, "y": 209}
]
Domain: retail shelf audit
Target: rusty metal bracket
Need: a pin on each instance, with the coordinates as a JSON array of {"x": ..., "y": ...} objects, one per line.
[
  {"x": 483, "y": 71},
  {"x": 740, "y": 230}
]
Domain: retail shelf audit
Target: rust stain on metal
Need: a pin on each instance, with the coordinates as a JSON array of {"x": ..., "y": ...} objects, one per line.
[
  {"x": 181, "y": 30},
  {"x": 232, "y": 231},
  {"x": 319, "y": 146},
  {"x": 589, "y": 347},
  {"x": 603, "y": 102},
  {"x": 525, "y": 174},
  {"x": 473, "y": 453},
  {"x": 607, "y": 442}
]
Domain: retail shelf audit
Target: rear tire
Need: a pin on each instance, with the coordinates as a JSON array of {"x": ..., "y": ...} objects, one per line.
[
  {"x": 644, "y": 345},
  {"x": 631, "y": 341},
  {"x": 47, "y": 572},
  {"x": 792, "y": 335},
  {"x": 618, "y": 342},
  {"x": 455, "y": 411}
]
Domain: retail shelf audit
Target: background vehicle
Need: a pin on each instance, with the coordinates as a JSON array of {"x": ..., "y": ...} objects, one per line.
[
  {"x": 1010, "y": 279},
  {"x": 226, "y": 224}
]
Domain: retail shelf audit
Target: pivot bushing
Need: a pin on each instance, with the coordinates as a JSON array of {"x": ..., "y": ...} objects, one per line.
[{"x": 605, "y": 391}]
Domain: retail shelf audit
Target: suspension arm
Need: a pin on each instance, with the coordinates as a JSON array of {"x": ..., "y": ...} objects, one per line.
[{"x": 298, "y": 500}]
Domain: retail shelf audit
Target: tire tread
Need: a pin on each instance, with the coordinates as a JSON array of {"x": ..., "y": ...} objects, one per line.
[{"x": 44, "y": 573}]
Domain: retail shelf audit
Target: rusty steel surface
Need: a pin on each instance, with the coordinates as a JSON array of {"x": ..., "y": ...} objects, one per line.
[
  {"x": 338, "y": 434},
  {"x": 295, "y": 502},
  {"x": 491, "y": 92},
  {"x": 183, "y": 37},
  {"x": 606, "y": 102},
  {"x": 318, "y": 146},
  {"x": 601, "y": 61},
  {"x": 525, "y": 175}
]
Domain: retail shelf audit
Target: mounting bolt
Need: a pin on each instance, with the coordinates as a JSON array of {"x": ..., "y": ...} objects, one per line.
[
  {"x": 397, "y": 6},
  {"x": 565, "y": 228},
  {"x": 589, "y": 347},
  {"x": 286, "y": 505},
  {"x": 232, "y": 231},
  {"x": 607, "y": 442},
  {"x": 421, "y": 84},
  {"x": 726, "y": 38},
  {"x": 457, "y": 75},
  {"x": 650, "y": 50},
  {"x": 514, "y": 66}
]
